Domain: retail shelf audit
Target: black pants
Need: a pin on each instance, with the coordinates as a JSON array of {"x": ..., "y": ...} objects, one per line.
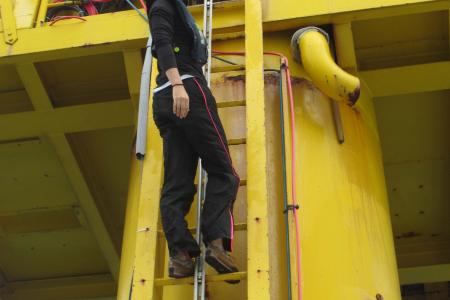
[{"x": 200, "y": 134}]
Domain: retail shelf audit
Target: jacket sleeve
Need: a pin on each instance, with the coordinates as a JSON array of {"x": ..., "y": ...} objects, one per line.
[{"x": 162, "y": 30}]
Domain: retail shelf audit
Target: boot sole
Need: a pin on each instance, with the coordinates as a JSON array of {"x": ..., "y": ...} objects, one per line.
[
  {"x": 172, "y": 274},
  {"x": 221, "y": 268}
]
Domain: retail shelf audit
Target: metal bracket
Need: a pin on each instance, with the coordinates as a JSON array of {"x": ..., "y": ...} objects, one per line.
[
  {"x": 338, "y": 121},
  {"x": 291, "y": 207},
  {"x": 8, "y": 21}
]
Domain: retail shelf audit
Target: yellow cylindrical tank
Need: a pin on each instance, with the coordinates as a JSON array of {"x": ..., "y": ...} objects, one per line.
[
  {"x": 347, "y": 247},
  {"x": 346, "y": 236}
]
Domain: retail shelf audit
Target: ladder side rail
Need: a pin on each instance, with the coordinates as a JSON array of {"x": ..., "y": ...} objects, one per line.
[{"x": 199, "y": 277}]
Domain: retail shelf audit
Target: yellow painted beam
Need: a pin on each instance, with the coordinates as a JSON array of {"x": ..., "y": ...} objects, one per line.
[
  {"x": 133, "y": 67},
  {"x": 8, "y": 21},
  {"x": 151, "y": 169},
  {"x": 209, "y": 279},
  {"x": 409, "y": 79},
  {"x": 107, "y": 33},
  {"x": 66, "y": 120},
  {"x": 41, "y": 102},
  {"x": 87, "y": 202},
  {"x": 38, "y": 220},
  {"x": 81, "y": 287},
  {"x": 425, "y": 274},
  {"x": 257, "y": 172},
  {"x": 61, "y": 281},
  {"x": 231, "y": 103},
  {"x": 43, "y": 6},
  {"x": 34, "y": 87},
  {"x": 99, "y": 34},
  {"x": 227, "y": 68},
  {"x": 129, "y": 233},
  {"x": 322, "y": 18},
  {"x": 342, "y": 11},
  {"x": 345, "y": 46}
]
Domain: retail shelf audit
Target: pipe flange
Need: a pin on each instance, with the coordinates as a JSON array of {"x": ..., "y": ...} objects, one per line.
[{"x": 295, "y": 49}]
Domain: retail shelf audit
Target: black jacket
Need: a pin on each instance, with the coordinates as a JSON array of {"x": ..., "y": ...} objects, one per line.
[{"x": 171, "y": 40}]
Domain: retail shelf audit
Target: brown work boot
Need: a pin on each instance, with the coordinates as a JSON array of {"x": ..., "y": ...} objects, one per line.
[
  {"x": 181, "y": 265},
  {"x": 220, "y": 260}
]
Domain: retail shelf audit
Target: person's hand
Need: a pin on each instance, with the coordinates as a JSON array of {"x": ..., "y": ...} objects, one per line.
[{"x": 180, "y": 101}]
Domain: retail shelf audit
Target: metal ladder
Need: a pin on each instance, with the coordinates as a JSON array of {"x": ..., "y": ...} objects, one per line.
[{"x": 199, "y": 275}]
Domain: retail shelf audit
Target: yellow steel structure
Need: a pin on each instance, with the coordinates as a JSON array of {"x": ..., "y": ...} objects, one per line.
[
  {"x": 9, "y": 22},
  {"x": 258, "y": 174},
  {"x": 373, "y": 210}
]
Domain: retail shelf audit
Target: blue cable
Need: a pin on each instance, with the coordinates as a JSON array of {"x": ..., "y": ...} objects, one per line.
[
  {"x": 286, "y": 217},
  {"x": 138, "y": 11}
]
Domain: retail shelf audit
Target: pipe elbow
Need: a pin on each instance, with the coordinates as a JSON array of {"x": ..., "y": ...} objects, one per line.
[{"x": 310, "y": 47}]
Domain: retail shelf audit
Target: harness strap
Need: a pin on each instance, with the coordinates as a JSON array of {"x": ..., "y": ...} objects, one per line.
[{"x": 167, "y": 84}]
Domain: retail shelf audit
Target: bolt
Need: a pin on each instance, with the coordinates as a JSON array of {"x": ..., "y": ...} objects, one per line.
[{"x": 257, "y": 219}]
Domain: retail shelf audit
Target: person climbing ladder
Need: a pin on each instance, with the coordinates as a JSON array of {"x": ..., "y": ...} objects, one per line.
[{"x": 185, "y": 112}]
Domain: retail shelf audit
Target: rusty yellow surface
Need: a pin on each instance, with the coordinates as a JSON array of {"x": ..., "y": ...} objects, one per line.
[{"x": 68, "y": 96}]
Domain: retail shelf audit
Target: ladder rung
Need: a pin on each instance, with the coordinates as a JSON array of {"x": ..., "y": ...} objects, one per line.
[
  {"x": 219, "y": 69},
  {"x": 237, "y": 141},
  {"x": 241, "y": 183},
  {"x": 237, "y": 227},
  {"x": 233, "y": 103},
  {"x": 209, "y": 278},
  {"x": 228, "y": 36}
]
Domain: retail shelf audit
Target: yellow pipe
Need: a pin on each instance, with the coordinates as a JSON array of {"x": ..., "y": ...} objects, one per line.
[{"x": 310, "y": 47}]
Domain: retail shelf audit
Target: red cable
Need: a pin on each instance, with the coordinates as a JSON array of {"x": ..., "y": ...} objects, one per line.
[
  {"x": 90, "y": 8},
  {"x": 284, "y": 62},
  {"x": 143, "y": 5},
  {"x": 294, "y": 188}
]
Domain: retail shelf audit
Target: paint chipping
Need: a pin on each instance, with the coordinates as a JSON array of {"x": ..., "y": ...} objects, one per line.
[
  {"x": 354, "y": 96},
  {"x": 240, "y": 77},
  {"x": 88, "y": 45}
]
